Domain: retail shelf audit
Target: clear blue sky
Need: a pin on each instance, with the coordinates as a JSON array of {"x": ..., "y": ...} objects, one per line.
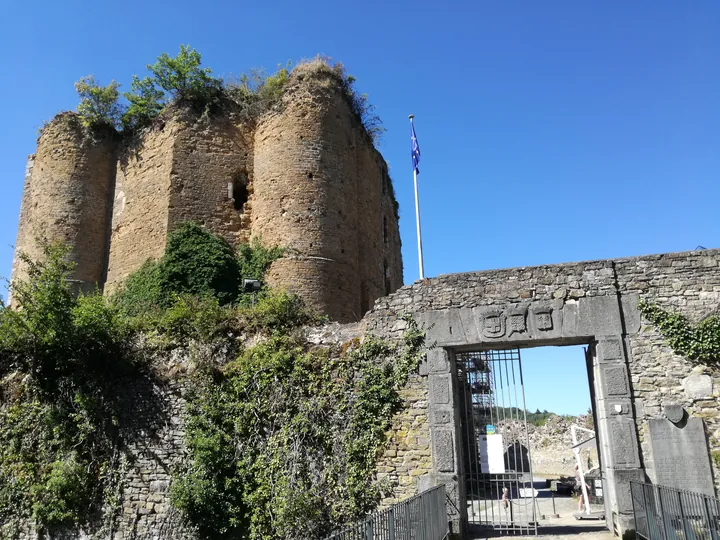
[{"x": 550, "y": 131}]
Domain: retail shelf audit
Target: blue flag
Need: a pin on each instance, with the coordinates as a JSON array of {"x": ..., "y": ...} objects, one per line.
[{"x": 415, "y": 149}]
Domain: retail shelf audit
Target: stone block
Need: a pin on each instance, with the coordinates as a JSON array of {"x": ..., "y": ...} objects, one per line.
[
  {"x": 630, "y": 312},
  {"x": 569, "y": 318},
  {"x": 673, "y": 412},
  {"x": 440, "y": 389},
  {"x": 438, "y": 361},
  {"x": 470, "y": 326},
  {"x": 610, "y": 350},
  {"x": 698, "y": 386},
  {"x": 442, "y": 327},
  {"x": 680, "y": 455},
  {"x": 599, "y": 316},
  {"x": 545, "y": 320},
  {"x": 623, "y": 447},
  {"x": 613, "y": 381},
  {"x": 620, "y": 480},
  {"x": 441, "y": 416},
  {"x": 443, "y": 450},
  {"x": 426, "y": 482},
  {"x": 617, "y": 407}
]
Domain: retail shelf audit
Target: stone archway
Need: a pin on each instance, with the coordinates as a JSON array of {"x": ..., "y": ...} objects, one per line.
[
  {"x": 601, "y": 321},
  {"x": 637, "y": 376}
]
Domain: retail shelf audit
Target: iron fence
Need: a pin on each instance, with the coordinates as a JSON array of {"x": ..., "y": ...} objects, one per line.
[
  {"x": 422, "y": 517},
  {"x": 663, "y": 513}
]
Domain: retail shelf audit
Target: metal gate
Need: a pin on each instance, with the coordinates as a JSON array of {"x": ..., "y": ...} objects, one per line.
[{"x": 496, "y": 449}]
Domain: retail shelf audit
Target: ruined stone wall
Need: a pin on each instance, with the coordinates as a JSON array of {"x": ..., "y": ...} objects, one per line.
[
  {"x": 687, "y": 283},
  {"x": 211, "y": 168},
  {"x": 305, "y": 194},
  {"x": 590, "y": 302},
  {"x": 318, "y": 191},
  {"x": 67, "y": 197},
  {"x": 148, "y": 463},
  {"x": 408, "y": 457},
  {"x": 142, "y": 194},
  {"x": 305, "y": 176}
]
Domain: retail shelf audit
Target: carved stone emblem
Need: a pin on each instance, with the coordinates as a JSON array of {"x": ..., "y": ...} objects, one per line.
[
  {"x": 493, "y": 324},
  {"x": 673, "y": 412},
  {"x": 617, "y": 408},
  {"x": 543, "y": 318},
  {"x": 516, "y": 321}
]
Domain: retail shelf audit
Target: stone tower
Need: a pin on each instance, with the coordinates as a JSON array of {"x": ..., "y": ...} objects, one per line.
[
  {"x": 67, "y": 197},
  {"x": 304, "y": 176},
  {"x": 322, "y": 191}
]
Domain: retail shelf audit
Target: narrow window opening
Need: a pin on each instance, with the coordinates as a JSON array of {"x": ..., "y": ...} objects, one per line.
[
  {"x": 364, "y": 298},
  {"x": 386, "y": 274},
  {"x": 238, "y": 192}
]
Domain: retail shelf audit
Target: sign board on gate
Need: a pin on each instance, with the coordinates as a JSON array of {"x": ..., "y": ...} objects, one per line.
[{"x": 492, "y": 454}]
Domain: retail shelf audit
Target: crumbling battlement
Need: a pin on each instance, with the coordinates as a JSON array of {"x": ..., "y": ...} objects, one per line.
[{"x": 304, "y": 176}]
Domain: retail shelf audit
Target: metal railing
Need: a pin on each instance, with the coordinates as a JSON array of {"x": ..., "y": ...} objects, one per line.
[
  {"x": 422, "y": 517},
  {"x": 664, "y": 513}
]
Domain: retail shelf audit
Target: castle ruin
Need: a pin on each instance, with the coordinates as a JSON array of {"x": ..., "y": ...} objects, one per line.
[{"x": 304, "y": 176}]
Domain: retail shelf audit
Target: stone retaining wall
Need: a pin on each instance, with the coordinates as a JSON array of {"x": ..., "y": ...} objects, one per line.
[{"x": 593, "y": 303}]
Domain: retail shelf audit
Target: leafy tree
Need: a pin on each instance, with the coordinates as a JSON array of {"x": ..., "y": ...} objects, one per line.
[
  {"x": 146, "y": 102},
  {"x": 98, "y": 104},
  {"x": 172, "y": 79},
  {"x": 259, "y": 91},
  {"x": 55, "y": 333},
  {"x": 59, "y": 429},
  {"x": 183, "y": 78}
]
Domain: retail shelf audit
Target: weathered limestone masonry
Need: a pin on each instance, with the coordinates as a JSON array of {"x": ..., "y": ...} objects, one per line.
[
  {"x": 593, "y": 303},
  {"x": 321, "y": 190},
  {"x": 67, "y": 197},
  {"x": 185, "y": 169},
  {"x": 305, "y": 176}
]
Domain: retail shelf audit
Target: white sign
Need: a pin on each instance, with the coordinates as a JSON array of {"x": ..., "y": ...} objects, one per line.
[{"x": 492, "y": 454}]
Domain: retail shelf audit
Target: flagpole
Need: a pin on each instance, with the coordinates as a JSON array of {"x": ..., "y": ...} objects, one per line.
[{"x": 417, "y": 217}]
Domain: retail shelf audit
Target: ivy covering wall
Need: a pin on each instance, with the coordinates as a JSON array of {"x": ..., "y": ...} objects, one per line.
[{"x": 282, "y": 435}]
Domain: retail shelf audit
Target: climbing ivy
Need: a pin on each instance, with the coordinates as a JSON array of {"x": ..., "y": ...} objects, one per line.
[
  {"x": 284, "y": 441},
  {"x": 699, "y": 342},
  {"x": 60, "y": 360},
  {"x": 196, "y": 264}
]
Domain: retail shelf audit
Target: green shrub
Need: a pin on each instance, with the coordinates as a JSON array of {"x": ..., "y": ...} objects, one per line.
[
  {"x": 193, "y": 317},
  {"x": 255, "y": 259},
  {"x": 277, "y": 312},
  {"x": 285, "y": 444},
  {"x": 145, "y": 103},
  {"x": 196, "y": 263},
  {"x": 56, "y": 333},
  {"x": 142, "y": 292},
  {"x": 58, "y": 433},
  {"x": 199, "y": 262},
  {"x": 63, "y": 497},
  {"x": 257, "y": 91},
  {"x": 172, "y": 79},
  {"x": 98, "y": 104}
]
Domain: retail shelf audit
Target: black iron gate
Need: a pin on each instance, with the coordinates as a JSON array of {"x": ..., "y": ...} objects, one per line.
[{"x": 498, "y": 470}]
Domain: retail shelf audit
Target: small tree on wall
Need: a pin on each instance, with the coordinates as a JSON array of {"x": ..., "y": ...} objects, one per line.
[{"x": 98, "y": 105}]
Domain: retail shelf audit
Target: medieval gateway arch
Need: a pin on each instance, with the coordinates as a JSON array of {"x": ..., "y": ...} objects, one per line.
[{"x": 635, "y": 376}]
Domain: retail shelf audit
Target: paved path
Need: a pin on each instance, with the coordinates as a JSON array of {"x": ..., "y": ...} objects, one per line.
[{"x": 564, "y": 527}]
